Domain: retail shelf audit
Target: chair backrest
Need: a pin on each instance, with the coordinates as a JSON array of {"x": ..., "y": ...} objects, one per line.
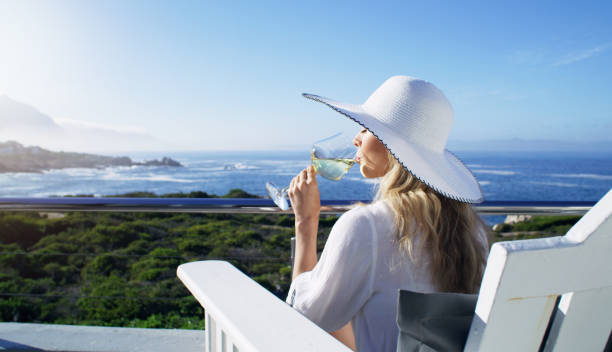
[{"x": 549, "y": 294}]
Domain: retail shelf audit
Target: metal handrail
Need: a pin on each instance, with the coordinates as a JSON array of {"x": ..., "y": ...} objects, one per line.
[{"x": 257, "y": 205}]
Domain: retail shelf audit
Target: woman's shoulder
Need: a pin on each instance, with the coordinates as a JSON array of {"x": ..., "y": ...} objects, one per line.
[
  {"x": 355, "y": 232},
  {"x": 374, "y": 213},
  {"x": 364, "y": 209}
]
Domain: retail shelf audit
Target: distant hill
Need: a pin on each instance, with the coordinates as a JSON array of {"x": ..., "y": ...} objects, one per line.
[
  {"x": 15, "y": 157},
  {"x": 27, "y": 125}
]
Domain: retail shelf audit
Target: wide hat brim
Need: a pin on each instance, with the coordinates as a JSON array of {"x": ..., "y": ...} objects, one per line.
[{"x": 441, "y": 171}]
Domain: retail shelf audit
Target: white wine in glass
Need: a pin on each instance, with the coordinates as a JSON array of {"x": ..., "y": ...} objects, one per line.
[
  {"x": 331, "y": 168},
  {"x": 331, "y": 157}
]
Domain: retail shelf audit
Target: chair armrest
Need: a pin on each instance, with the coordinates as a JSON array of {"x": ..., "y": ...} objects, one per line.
[{"x": 250, "y": 317}]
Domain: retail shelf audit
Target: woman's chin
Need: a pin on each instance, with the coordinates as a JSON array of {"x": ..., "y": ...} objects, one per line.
[
  {"x": 362, "y": 170},
  {"x": 369, "y": 173},
  {"x": 365, "y": 172}
]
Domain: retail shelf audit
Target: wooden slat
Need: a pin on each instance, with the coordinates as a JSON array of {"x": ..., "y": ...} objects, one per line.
[
  {"x": 211, "y": 334},
  {"x": 220, "y": 339},
  {"x": 519, "y": 324},
  {"x": 582, "y": 322}
]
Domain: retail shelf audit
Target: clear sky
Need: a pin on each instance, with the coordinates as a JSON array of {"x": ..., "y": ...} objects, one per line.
[{"x": 228, "y": 75}]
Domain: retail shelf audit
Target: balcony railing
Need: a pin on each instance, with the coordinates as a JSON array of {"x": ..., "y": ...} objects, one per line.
[{"x": 258, "y": 205}]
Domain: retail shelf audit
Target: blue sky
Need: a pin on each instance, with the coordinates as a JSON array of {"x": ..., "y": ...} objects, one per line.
[{"x": 228, "y": 75}]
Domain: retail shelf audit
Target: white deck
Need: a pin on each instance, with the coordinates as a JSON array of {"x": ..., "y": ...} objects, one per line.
[{"x": 70, "y": 338}]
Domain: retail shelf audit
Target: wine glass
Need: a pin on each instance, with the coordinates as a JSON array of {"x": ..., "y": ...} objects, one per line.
[{"x": 331, "y": 157}]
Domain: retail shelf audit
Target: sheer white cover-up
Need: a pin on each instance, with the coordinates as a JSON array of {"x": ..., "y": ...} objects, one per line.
[{"x": 358, "y": 278}]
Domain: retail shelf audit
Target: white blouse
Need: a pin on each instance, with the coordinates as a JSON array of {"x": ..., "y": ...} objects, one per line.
[{"x": 358, "y": 278}]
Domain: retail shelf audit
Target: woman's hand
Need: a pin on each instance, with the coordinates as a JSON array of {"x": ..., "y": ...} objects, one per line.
[
  {"x": 304, "y": 195},
  {"x": 306, "y": 205}
]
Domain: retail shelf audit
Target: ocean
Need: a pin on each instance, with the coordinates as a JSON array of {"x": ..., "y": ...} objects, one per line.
[{"x": 502, "y": 176}]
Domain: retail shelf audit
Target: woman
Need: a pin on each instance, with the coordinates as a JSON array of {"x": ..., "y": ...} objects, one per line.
[{"x": 420, "y": 233}]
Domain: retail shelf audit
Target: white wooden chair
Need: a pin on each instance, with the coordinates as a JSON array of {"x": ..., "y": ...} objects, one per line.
[{"x": 552, "y": 294}]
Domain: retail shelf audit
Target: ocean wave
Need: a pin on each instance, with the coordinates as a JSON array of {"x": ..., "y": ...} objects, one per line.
[
  {"x": 11, "y": 177},
  {"x": 590, "y": 176},
  {"x": 79, "y": 172},
  {"x": 281, "y": 162},
  {"x": 207, "y": 169},
  {"x": 44, "y": 194},
  {"x": 10, "y": 191},
  {"x": 165, "y": 178},
  {"x": 494, "y": 172},
  {"x": 555, "y": 184},
  {"x": 484, "y": 183},
  {"x": 238, "y": 166},
  {"x": 89, "y": 171},
  {"x": 372, "y": 181},
  {"x": 114, "y": 176},
  {"x": 291, "y": 174}
]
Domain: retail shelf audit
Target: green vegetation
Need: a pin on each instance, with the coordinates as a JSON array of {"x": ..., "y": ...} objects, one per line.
[
  {"x": 119, "y": 269},
  {"x": 195, "y": 194},
  {"x": 536, "y": 227}
]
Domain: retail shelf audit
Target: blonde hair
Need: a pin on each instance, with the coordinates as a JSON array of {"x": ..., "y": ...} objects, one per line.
[{"x": 449, "y": 230}]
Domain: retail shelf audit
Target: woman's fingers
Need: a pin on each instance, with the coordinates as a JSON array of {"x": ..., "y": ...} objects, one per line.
[
  {"x": 298, "y": 181},
  {"x": 302, "y": 180},
  {"x": 291, "y": 191},
  {"x": 304, "y": 195},
  {"x": 311, "y": 174},
  {"x": 303, "y": 176}
]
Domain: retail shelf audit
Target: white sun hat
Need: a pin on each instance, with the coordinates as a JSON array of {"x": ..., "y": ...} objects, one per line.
[{"x": 413, "y": 119}]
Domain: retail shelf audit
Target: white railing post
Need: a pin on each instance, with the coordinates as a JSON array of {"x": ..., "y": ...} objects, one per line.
[{"x": 211, "y": 334}]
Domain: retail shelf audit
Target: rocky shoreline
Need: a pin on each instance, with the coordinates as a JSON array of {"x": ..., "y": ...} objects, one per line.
[{"x": 15, "y": 157}]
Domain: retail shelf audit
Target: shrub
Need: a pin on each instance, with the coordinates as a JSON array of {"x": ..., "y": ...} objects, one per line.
[{"x": 23, "y": 230}]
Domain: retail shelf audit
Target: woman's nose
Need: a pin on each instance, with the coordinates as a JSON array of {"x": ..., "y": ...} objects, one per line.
[{"x": 357, "y": 140}]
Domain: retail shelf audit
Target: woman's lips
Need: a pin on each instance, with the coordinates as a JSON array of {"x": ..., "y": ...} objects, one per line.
[{"x": 357, "y": 159}]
